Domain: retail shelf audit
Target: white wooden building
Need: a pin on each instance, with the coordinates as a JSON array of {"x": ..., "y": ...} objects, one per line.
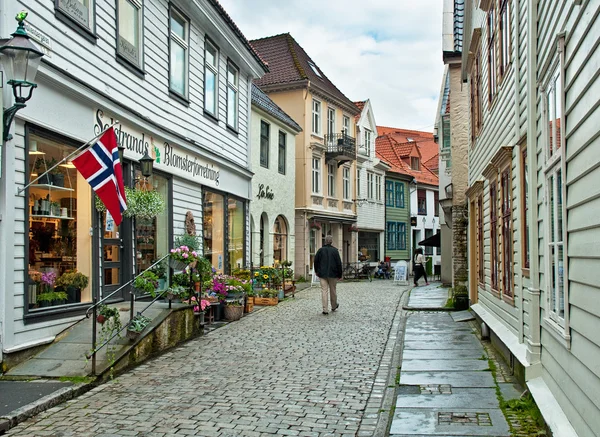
[{"x": 177, "y": 75}]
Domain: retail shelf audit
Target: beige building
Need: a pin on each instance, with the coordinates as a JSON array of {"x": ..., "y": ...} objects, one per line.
[{"x": 326, "y": 149}]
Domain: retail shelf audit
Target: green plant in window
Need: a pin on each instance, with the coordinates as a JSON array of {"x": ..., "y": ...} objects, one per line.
[{"x": 191, "y": 241}]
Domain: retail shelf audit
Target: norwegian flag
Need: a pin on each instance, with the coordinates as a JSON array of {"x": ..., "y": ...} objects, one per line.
[{"x": 101, "y": 167}]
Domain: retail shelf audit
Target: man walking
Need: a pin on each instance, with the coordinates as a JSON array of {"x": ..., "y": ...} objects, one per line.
[{"x": 328, "y": 267}]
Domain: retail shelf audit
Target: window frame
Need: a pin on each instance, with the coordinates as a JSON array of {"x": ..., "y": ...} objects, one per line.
[
  {"x": 347, "y": 188},
  {"x": 317, "y": 107},
  {"x": 389, "y": 193},
  {"x": 331, "y": 173},
  {"x": 215, "y": 70},
  {"x": 506, "y": 228},
  {"x": 265, "y": 143},
  {"x": 139, "y": 67},
  {"x": 282, "y": 152},
  {"x": 492, "y": 55},
  {"x": 186, "y": 46},
  {"x": 504, "y": 39},
  {"x": 400, "y": 236},
  {"x": 525, "y": 222},
  {"x": 476, "y": 111},
  {"x": 421, "y": 211},
  {"x": 370, "y": 185},
  {"x": 330, "y": 121},
  {"x": 494, "y": 253},
  {"x": 480, "y": 241},
  {"x": 399, "y": 199},
  {"x": 378, "y": 188},
  {"x": 316, "y": 175},
  {"x": 368, "y": 141},
  {"x": 88, "y": 32},
  {"x": 415, "y": 163},
  {"x": 235, "y": 87},
  {"x": 346, "y": 124},
  {"x": 391, "y": 235}
]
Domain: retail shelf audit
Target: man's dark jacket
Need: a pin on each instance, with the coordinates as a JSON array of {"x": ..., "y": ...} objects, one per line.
[{"x": 328, "y": 263}]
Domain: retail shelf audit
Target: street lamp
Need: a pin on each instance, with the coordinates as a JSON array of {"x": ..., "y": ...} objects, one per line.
[
  {"x": 20, "y": 60},
  {"x": 146, "y": 162}
]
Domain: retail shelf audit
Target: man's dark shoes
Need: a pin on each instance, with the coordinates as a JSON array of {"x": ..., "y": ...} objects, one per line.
[
  {"x": 336, "y": 307},
  {"x": 325, "y": 312}
]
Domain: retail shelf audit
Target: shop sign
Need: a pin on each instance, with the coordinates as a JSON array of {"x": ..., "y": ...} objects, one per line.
[
  {"x": 167, "y": 157},
  {"x": 264, "y": 192}
]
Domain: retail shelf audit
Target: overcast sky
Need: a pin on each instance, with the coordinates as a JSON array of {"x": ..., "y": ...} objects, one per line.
[{"x": 389, "y": 51}]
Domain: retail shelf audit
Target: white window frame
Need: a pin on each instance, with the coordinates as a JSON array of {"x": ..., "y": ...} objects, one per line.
[
  {"x": 358, "y": 183},
  {"x": 346, "y": 123},
  {"x": 214, "y": 69},
  {"x": 330, "y": 121},
  {"x": 125, "y": 50},
  {"x": 331, "y": 171},
  {"x": 555, "y": 164},
  {"x": 347, "y": 186},
  {"x": 184, "y": 43},
  {"x": 316, "y": 175},
  {"x": 316, "y": 117},
  {"x": 368, "y": 140},
  {"x": 370, "y": 185},
  {"x": 378, "y": 188},
  {"x": 233, "y": 113}
]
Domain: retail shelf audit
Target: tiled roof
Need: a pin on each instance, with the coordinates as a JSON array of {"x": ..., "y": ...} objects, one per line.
[
  {"x": 263, "y": 101},
  {"x": 395, "y": 154},
  {"x": 360, "y": 106},
  {"x": 459, "y": 19},
  {"x": 289, "y": 63},
  {"x": 403, "y": 135},
  {"x": 433, "y": 163},
  {"x": 239, "y": 33}
]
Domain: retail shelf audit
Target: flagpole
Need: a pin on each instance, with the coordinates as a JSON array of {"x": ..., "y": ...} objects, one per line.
[{"x": 20, "y": 190}]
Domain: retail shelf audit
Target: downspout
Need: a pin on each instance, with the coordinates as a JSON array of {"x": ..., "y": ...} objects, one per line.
[
  {"x": 533, "y": 343},
  {"x": 248, "y": 255}
]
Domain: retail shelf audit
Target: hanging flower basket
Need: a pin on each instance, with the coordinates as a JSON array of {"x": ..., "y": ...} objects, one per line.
[
  {"x": 177, "y": 265},
  {"x": 353, "y": 228},
  {"x": 314, "y": 225}
]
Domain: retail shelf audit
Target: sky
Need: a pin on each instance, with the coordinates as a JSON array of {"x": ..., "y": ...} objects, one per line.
[{"x": 389, "y": 51}]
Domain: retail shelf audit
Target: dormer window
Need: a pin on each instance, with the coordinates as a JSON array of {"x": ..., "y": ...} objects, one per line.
[
  {"x": 415, "y": 163},
  {"x": 315, "y": 69},
  {"x": 410, "y": 140}
]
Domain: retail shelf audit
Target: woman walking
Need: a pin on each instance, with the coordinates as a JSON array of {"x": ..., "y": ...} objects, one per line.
[{"x": 419, "y": 268}]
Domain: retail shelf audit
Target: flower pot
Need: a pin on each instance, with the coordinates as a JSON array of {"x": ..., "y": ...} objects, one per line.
[
  {"x": 197, "y": 287},
  {"x": 233, "y": 313},
  {"x": 74, "y": 294},
  {"x": 218, "y": 311},
  {"x": 170, "y": 296},
  {"x": 162, "y": 283},
  {"x": 266, "y": 301},
  {"x": 133, "y": 335},
  {"x": 58, "y": 180},
  {"x": 44, "y": 180},
  {"x": 249, "y": 307},
  {"x": 200, "y": 315},
  {"x": 281, "y": 294},
  {"x": 100, "y": 319},
  {"x": 177, "y": 265},
  {"x": 461, "y": 302}
]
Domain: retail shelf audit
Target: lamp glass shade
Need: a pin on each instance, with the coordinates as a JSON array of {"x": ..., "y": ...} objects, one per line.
[
  {"x": 20, "y": 59},
  {"x": 146, "y": 163}
]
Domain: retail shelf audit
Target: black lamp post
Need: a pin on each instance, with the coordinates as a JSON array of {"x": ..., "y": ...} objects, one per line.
[
  {"x": 146, "y": 163},
  {"x": 121, "y": 148},
  {"x": 20, "y": 61}
]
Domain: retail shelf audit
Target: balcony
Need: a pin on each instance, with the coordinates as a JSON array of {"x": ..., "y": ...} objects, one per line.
[{"x": 340, "y": 147}]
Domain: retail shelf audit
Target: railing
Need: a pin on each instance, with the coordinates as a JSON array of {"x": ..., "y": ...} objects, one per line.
[
  {"x": 341, "y": 144},
  {"x": 93, "y": 311}
]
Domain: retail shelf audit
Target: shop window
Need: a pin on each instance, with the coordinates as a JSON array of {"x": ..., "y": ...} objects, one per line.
[
  {"x": 369, "y": 242},
  {"x": 129, "y": 31},
  {"x": 178, "y": 53},
  {"x": 236, "y": 219},
  {"x": 279, "y": 240},
  {"x": 312, "y": 246},
  {"x": 59, "y": 219},
  {"x": 213, "y": 229}
]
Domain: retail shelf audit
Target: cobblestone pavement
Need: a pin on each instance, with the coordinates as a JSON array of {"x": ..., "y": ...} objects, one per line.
[{"x": 286, "y": 370}]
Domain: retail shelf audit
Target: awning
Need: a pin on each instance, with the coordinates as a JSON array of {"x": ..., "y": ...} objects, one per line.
[{"x": 433, "y": 241}]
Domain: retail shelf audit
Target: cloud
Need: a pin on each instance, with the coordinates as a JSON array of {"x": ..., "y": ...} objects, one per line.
[{"x": 389, "y": 51}]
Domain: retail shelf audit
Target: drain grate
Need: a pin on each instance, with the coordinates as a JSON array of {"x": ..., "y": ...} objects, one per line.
[
  {"x": 474, "y": 419},
  {"x": 436, "y": 389}
]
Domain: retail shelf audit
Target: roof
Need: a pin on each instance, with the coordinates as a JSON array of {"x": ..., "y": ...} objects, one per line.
[
  {"x": 290, "y": 64},
  {"x": 397, "y": 154},
  {"x": 239, "y": 33},
  {"x": 360, "y": 106},
  {"x": 433, "y": 163},
  {"x": 264, "y": 102},
  {"x": 459, "y": 19}
]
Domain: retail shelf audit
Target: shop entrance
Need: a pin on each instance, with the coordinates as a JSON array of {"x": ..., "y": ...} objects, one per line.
[{"x": 112, "y": 252}]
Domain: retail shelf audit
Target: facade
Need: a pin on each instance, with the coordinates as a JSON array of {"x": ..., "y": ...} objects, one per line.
[
  {"x": 326, "y": 149},
  {"x": 531, "y": 69},
  {"x": 189, "y": 109},
  {"x": 370, "y": 188},
  {"x": 272, "y": 210},
  {"x": 415, "y": 154}
]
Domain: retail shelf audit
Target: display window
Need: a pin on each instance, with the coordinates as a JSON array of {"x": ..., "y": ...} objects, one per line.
[
  {"x": 58, "y": 240},
  {"x": 213, "y": 227},
  {"x": 235, "y": 224},
  {"x": 279, "y": 240}
]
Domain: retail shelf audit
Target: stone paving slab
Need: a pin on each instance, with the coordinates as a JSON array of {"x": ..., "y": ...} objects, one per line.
[
  {"x": 430, "y": 423},
  {"x": 462, "y": 316},
  {"x": 419, "y": 365},
  {"x": 424, "y": 335},
  {"x": 455, "y": 379},
  {"x": 443, "y": 354},
  {"x": 472, "y": 344},
  {"x": 460, "y": 398},
  {"x": 16, "y": 394}
]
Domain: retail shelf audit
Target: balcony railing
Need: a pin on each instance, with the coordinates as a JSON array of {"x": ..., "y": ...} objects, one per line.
[{"x": 341, "y": 147}]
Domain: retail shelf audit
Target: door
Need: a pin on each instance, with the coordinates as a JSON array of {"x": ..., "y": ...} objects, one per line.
[{"x": 112, "y": 252}]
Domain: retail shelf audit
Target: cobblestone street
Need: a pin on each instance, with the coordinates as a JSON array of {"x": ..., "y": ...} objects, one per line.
[{"x": 286, "y": 370}]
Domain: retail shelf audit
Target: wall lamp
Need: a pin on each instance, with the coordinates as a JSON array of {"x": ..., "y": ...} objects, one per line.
[
  {"x": 146, "y": 161},
  {"x": 20, "y": 60}
]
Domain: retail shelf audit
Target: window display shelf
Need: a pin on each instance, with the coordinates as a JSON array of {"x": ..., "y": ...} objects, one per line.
[
  {"x": 50, "y": 187},
  {"x": 50, "y": 217}
]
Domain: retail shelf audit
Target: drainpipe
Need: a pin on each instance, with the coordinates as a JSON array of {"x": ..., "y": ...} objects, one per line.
[{"x": 533, "y": 343}]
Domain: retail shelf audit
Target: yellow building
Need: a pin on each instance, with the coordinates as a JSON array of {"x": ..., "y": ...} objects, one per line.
[{"x": 326, "y": 149}]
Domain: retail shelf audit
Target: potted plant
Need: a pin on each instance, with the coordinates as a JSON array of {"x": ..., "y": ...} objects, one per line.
[
  {"x": 182, "y": 279},
  {"x": 314, "y": 225},
  {"x": 146, "y": 283},
  {"x": 137, "y": 325},
  {"x": 177, "y": 292},
  {"x": 57, "y": 177},
  {"x": 233, "y": 311},
  {"x": 143, "y": 203},
  {"x": 41, "y": 167},
  {"x": 191, "y": 241},
  {"x": 181, "y": 257},
  {"x": 266, "y": 297},
  {"x": 249, "y": 305},
  {"x": 160, "y": 270},
  {"x": 73, "y": 282},
  {"x": 52, "y": 298}
]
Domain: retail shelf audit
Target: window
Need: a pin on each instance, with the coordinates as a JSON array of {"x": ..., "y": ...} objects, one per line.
[
  {"x": 389, "y": 193},
  {"x": 314, "y": 69},
  {"x": 410, "y": 140},
  {"x": 330, "y": 121},
  {"x": 236, "y": 232},
  {"x": 358, "y": 183},
  {"x": 378, "y": 188},
  {"x": 476, "y": 114},
  {"x": 279, "y": 240},
  {"x": 316, "y": 117},
  {"x": 504, "y": 39},
  {"x": 346, "y": 125},
  {"x": 232, "y": 95},
  {"x": 480, "y": 265},
  {"x": 507, "y": 237},
  {"x": 415, "y": 164},
  {"x": 399, "y": 195},
  {"x": 554, "y": 169},
  {"x": 428, "y": 249},
  {"x": 346, "y": 177},
  {"x": 178, "y": 53},
  {"x": 214, "y": 229},
  {"x": 494, "y": 233},
  {"x": 316, "y": 175},
  {"x": 368, "y": 141},
  {"x": 492, "y": 65},
  {"x": 370, "y": 185},
  {"x": 129, "y": 31},
  {"x": 436, "y": 203},
  {"x": 81, "y": 12},
  {"x": 331, "y": 170},
  {"x": 391, "y": 235},
  {"x": 396, "y": 235},
  {"x": 264, "y": 143},
  {"x": 422, "y": 202},
  {"x": 211, "y": 77},
  {"x": 282, "y": 152},
  {"x": 525, "y": 208}
]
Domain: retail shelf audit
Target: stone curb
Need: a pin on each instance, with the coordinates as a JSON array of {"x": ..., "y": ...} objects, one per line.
[
  {"x": 19, "y": 415},
  {"x": 407, "y": 308}
]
